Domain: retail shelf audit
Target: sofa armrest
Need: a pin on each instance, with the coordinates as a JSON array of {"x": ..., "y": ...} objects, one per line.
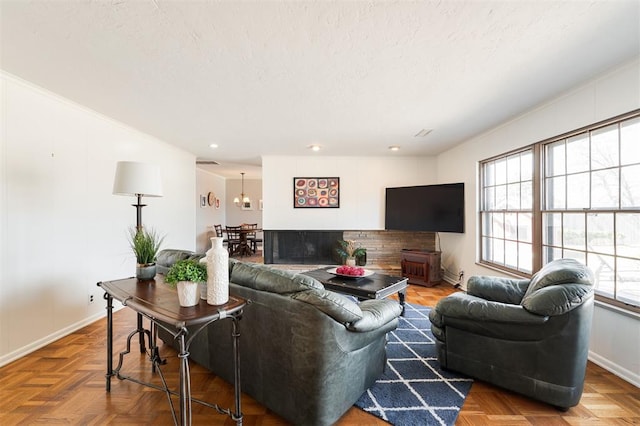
[
  {"x": 375, "y": 314},
  {"x": 498, "y": 289}
]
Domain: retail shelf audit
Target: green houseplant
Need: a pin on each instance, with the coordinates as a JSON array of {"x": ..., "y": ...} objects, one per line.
[
  {"x": 145, "y": 245},
  {"x": 185, "y": 275},
  {"x": 350, "y": 254}
]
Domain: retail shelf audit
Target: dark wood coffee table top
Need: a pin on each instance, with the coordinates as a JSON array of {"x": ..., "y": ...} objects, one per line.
[{"x": 376, "y": 286}]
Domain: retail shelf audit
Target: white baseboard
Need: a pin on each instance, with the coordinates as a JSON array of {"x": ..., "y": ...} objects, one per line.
[
  {"x": 623, "y": 373},
  {"x": 34, "y": 346}
]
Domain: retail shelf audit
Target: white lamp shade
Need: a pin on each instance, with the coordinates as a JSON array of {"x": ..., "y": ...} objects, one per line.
[{"x": 133, "y": 178}]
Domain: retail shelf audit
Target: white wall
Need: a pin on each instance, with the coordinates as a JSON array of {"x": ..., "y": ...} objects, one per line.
[
  {"x": 362, "y": 188},
  {"x": 208, "y": 216},
  {"x": 615, "y": 340},
  {"x": 62, "y": 230}
]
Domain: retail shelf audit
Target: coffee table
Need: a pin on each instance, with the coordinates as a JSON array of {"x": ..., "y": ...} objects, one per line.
[{"x": 376, "y": 286}]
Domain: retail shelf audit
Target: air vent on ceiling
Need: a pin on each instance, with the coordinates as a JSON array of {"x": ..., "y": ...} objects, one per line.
[
  {"x": 422, "y": 133},
  {"x": 208, "y": 162}
]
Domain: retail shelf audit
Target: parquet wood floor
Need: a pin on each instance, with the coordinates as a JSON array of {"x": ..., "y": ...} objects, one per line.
[{"x": 63, "y": 383}]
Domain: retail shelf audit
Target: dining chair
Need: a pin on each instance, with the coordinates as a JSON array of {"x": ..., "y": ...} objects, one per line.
[
  {"x": 252, "y": 237},
  {"x": 220, "y": 234},
  {"x": 234, "y": 238}
]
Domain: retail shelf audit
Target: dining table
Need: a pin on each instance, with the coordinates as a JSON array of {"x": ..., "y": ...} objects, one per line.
[{"x": 242, "y": 247}]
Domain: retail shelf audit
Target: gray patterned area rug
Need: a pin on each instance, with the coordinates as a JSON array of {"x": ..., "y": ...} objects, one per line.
[{"x": 414, "y": 390}]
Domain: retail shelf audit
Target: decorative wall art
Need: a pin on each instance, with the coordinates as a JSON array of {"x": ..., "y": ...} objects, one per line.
[{"x": 316, "y": 192}]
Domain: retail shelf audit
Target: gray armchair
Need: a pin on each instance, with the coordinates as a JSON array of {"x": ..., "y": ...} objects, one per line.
[{"x": 528, "y": 336}]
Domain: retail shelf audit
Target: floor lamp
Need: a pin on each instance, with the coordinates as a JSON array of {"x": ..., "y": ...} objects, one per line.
[{"x": 138, "y": 180}]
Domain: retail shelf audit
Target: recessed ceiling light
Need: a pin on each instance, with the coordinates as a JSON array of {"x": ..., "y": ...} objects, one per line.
[
  {"x": 314, "y": 147},
  {"x": 213, "y": 145},
  {"x": 394, "y": 148},
  {"x": 422, "y": 133}
]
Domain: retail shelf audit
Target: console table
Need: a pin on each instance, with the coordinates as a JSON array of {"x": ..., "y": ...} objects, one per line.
[
  {"x": 421, "y": 267},
  {"x": 154, "y": 300}
]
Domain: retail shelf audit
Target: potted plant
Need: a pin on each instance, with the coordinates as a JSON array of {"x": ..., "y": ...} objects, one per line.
[
  {"x": 350, "y": 254},
  {"x": 185, "y": 275},
  {"x": 145, "y": 245}
]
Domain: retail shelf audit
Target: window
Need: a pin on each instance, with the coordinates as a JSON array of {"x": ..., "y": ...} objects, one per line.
[
  {"x": 589, "y": 207},
  {"x": 507, "y": 211}
]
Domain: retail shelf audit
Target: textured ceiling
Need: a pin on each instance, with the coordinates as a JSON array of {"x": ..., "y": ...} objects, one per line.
[{"x": 270, "y": 78}]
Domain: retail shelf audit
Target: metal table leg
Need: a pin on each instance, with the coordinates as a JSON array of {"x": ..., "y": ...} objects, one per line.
[{"x": 109, "y": 340}]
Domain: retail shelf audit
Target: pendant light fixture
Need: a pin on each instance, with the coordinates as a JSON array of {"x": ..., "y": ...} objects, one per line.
[{"x": 243, "y": 197}]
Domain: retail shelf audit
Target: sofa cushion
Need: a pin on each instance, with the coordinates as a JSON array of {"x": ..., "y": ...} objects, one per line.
[
  {"x": 375, "y": 314},
  {"x": 337, "y": 306},
  {"x": 559, "y": 271},
  {"x": 264, "y": 278},
  {"x": 168, "y": 257}
]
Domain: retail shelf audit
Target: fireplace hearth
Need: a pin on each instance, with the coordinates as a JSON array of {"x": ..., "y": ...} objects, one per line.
[{"x": 300, "y": 247}]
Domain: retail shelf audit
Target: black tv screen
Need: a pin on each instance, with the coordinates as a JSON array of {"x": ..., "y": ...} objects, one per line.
[{"x": 435, "y": 208}]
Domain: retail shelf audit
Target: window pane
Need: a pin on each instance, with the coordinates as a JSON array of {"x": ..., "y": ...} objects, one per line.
[
  {"x": 578, "y": 193},
  {"x": 525, "y": 227},
  {"x": 526, "y": 165},
  {"x": 602, "y": 267},
  {"x": 552, "y": 229},
  {"x": 486, "y": 224},
  {"x": 630, "y": 181},
  {"x": 573, "y": 232},
  {"x": 511, "y": 254},
  {"x": 578, "y": 153},
  {"x": 580, "y": 256},
  {"x": 501, "y": 197},
  {"x": 604, "y": 189},
  {"x": 497, "y": 225},
  {"x": 630, "y": 141},
  {"x": 511, "y": 226},
  {"x": 513, "y": 168},
  {"x": 604, "y": 147},
  {"x": 501, "y": 172},
  {"x": 628, "y": 285},
  {"x": 498, "y": 250},
  {"x": 551, "y": 253},
  {"x": 555, "y": 159},
  {"x": 526, "y": 196},
  {"x": 555, "y": 193},
  {"x": 489, "y": 174},
  {"x": 600, "y": 233},
  {"x": 489, "y": 198},
  {"x": 513, "y": 196},
  {"x": 487, "y": 252},
  {"x": 525, "y": 257},
  {"x": 628, "y": 234}
]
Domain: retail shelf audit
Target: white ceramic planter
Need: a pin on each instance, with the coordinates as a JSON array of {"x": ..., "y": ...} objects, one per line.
[{"x": 188, "y": 293}]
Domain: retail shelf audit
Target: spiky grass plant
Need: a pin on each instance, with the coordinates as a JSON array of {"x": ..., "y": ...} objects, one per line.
[{"x": 145, "y": 245}]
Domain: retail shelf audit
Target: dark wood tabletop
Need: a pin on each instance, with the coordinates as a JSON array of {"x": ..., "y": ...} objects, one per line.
[{"x": 158, "y": 300}]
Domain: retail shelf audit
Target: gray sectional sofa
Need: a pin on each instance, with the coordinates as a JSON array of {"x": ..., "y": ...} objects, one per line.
[{"x": 306, "y": 353}]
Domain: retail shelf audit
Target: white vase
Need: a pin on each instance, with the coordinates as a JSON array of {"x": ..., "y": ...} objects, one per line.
[
  {"x": 188, "y": 294},
  {"x": 217, "y": 273},
  {"x": 351, "y": 261}
]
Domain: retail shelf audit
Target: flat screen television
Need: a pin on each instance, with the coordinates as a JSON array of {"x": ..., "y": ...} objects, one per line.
[{"x": 435, "y": 208}]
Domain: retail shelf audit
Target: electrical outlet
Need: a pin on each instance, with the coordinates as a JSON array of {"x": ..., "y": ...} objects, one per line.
[{"x": 91, "y": 298}]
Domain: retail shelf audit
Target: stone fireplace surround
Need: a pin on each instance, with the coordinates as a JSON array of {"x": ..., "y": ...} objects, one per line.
[{"x": 315, "y": 247}]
